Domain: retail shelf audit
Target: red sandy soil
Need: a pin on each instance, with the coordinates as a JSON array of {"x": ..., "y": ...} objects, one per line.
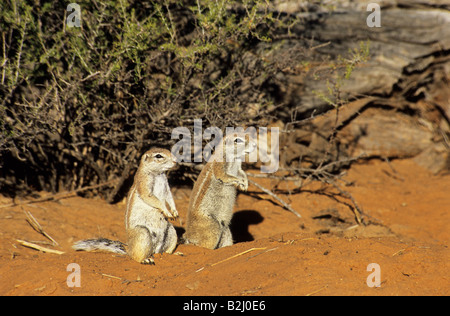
[{"x": 276, "y": 253}]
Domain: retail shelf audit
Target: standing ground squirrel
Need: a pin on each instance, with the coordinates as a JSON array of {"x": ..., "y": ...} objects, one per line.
[
  {"x": 148, "y": 230},
  {"x": 214, "y": 194}
]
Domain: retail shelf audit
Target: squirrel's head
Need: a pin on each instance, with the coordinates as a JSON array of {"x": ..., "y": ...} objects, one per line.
[
  {"x": 236, "y": 146},
  {"x": 157, "y": 160}
]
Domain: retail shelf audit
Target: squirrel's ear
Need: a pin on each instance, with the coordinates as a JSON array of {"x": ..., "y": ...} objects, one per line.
[{"x": 146, "y": 157}]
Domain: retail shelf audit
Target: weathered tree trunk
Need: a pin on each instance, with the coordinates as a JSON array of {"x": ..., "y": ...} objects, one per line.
[{"x": 404, "y": 86}]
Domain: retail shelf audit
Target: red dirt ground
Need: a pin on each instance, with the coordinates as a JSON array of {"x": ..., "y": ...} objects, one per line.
[{"x": 276, "y": 253}]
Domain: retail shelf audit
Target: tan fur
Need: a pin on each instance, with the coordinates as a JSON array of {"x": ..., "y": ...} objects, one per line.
[
  {"x": 148, "y": 229},
  {"x": 214, "y": 194}
]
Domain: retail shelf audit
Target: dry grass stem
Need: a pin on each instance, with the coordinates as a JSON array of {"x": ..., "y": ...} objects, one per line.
[
  {"x": 37, "y": 227},
  {"x": 232, "y": 257},
  {"x": 276, "y": 197},
  {"x": 37, "y": 247}
]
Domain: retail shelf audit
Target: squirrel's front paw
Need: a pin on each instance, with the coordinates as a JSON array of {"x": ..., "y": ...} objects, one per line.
[
  {"x": 243, "y": 184},
  {"x": 174, "y": 213},
  {"x": 169, "y": 214}
]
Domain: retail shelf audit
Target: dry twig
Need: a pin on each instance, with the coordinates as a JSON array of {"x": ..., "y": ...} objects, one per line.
[
  {"x": 232, "y": 257},
  {"x": 276, "y": 197},
  {"x": 37, "y": 227},
  {"x": 317, "y": 291},
  {"x": 37, "y": 247}
]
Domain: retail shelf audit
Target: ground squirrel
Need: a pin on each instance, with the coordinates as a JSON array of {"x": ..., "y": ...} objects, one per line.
[
  {"x": 146, "y": 217},
  {"x": 214, "y": 194}
]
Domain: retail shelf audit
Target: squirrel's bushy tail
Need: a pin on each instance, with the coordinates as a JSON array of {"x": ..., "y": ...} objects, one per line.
[{"x": 100, "y": 244}]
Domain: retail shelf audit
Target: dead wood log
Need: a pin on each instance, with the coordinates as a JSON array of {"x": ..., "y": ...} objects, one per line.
[{"x": 407, "y": 81}]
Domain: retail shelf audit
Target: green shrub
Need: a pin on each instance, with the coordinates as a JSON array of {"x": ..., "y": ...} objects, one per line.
[{"x": 79, "y": 105}]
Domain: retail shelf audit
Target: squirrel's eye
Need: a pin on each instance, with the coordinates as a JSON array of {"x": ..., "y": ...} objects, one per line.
[
  {"x": 238, "y": 140},
  {"x": 159, "y": 156}
]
